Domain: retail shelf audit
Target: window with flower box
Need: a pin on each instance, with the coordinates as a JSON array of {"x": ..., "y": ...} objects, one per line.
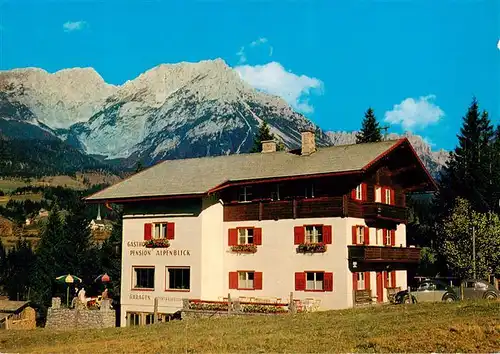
[
  {"x": 314, "y": 281},
  {"x": 245, "y": 239},
  {"x": 144, "y": 278},
  {"x": 360, "y": 235},
  {"x": 312, "y": 238},
  {"x": 159, "y": 230},
  {"x": 245, "y": 280},
  {"x": 178, "y": 278}
]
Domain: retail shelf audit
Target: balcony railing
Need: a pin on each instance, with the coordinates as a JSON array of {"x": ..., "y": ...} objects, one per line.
[
  {"x": 323, "y": 207},
  {"x": 384, "y": 254},
  {"x": 380, "y": 211}
]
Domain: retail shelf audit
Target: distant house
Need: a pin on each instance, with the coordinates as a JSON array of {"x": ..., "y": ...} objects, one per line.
[
  {"x": 43, "y": 213},
  {"x": 16, "y": 315},
  {"x": 104, "y": 225}
]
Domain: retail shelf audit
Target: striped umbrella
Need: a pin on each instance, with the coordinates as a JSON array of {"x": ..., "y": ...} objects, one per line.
[
  {"x": 104, "y": 278},
  {"x": 68, "y": 279}
]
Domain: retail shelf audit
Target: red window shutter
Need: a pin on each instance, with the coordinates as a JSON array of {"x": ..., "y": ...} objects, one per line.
[
  {"x": 257, "y": 281},
  {"x": 233, "y": 280},
  {"x": 367, "y": 235},
  {"x": 393, "y": 197},
  {"x": 299, "y": 235},
  {"x": 327, "y": 234},
  {"x": 384, "y": 237},
  {"x": 170, "y": 230},
  {"x": 386, "y": 284},
  {"x": 148, "y": 230},
  {"x": 393, "y": 279},
  {"x": 328, "y": 282},
  {"x": 367, "y": 281},
  {"x": 393, "y": 237},
  {"x": 354, "y": 235},
  {"x": 300, "y": 281},
  {"x": 257, "y": 236},
  {"x": 353, "y": 194},
  {"x": 382, "y": 194},
  {"x": 354, "y": 281},
  {"x": 364, "y": 191},
  {"x": 232, "y": 237}
]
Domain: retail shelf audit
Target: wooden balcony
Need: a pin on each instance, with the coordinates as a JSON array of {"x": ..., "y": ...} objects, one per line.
[
  {"x": 324, "y": 207},
  {"x": 285, "y": 209},
  {"x": 382, "y": 254},
  {"x": 380, "y": 211}
]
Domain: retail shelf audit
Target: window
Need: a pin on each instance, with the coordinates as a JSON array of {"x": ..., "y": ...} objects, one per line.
[
  {"x": 160, "y": 230},
  {"x": 178, "y": 278},
  {"x": 359, "y": 192},
  {"x": 360, "y": 235},
  {"x": 314, "y": 234},
  {"x": 314, "y": 281},
  {"x": 245, "y": 194},
  {"x": 144, "y": 278},
  {"x": 134, "y": 319},
  {"x": 361, "y": 281},
  {"x": 387, "y": 237},
  {"x": 149, "y": 318},
  {"x": 379, "y": 237},
  {"x": 275, "y": 193},
  {"x": 378, "y": 194},
  {"x": 388, "y": 195},
  {"x": 245, "y": 280},
  {"x": 245, "y": 236},
  {"x": 309, "y": 191},
  {"x": 391, "y": 280}
]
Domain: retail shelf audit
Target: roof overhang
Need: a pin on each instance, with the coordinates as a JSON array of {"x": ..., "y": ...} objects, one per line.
[{"x": 228, "y": 184}]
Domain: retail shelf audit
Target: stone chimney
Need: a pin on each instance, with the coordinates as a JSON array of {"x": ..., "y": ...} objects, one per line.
[
  {"x": 308, "y": 142},
  {"x": 268, "y": 146}
]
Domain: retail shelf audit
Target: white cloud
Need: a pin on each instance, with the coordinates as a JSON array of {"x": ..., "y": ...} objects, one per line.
[
  {"x": 498, "y": 44},
  {"x": 415, "y": 113},
  {"x": 258, "y": 41},
  {"x": 242, "y": 54},
  {"x": 74, "y": 26},
  {"x": 274, "y": 79}
]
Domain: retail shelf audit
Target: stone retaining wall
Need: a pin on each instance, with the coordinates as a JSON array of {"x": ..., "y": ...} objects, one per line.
[{"x": 80, "y": 317}]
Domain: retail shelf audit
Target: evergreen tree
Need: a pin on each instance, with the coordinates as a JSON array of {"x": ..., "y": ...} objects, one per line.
[
  {"x": 110, "y": 258},
  {"x": 49, "y": 262},
  {"x": 370, "y": 129},
  {"x": 18, "y": 265},
  {"x": 468, "y": 171},
  {"x": 264, "y": 134}
]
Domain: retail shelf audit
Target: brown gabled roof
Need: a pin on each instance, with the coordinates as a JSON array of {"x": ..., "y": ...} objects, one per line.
[{"x": 199, "y": 176}]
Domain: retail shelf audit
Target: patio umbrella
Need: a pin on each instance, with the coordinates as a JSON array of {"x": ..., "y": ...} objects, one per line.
[
  {"x": 104, "y": 278},
  {"x": 68, "y": 279}
]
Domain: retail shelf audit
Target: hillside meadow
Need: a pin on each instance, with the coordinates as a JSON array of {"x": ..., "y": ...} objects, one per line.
[{"x": 457, "y": 327}]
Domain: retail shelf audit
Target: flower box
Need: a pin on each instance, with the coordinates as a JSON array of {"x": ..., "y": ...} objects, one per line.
[
  {"x": 244, "y": 248},
  {"x": 157, "y": 243},
  {"x": 311, "y": 248}
]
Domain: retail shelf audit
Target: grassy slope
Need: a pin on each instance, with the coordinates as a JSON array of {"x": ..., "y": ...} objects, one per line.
[{"x": 458, "y": 327}]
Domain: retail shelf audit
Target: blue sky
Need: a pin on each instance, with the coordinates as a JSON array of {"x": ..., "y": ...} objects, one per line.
[{"x": 417, "y": 63}]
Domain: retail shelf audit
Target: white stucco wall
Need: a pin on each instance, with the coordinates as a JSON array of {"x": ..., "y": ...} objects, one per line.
[{"x": 205, "y": 236}]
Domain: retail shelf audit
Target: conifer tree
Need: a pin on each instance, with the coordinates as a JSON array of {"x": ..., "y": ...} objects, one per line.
[
  {"x": 18, "y": 265},
  {"x": 49, "y": 263},
  {"x": 467, "y": 173},
  {"x": 264, "y": 134},
  {"x": 370, "y": 129}
]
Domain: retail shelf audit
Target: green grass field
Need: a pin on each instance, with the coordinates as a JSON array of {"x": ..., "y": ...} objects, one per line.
[
  {"x": 36, "y": 197},
  {"x": 442, "y": 327}
]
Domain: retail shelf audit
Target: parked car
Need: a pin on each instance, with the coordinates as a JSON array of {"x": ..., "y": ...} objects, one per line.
[{"x": 432, "y": 290}]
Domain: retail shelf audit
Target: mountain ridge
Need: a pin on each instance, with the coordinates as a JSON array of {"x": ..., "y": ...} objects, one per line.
[{"x": 169, "y": 111}]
